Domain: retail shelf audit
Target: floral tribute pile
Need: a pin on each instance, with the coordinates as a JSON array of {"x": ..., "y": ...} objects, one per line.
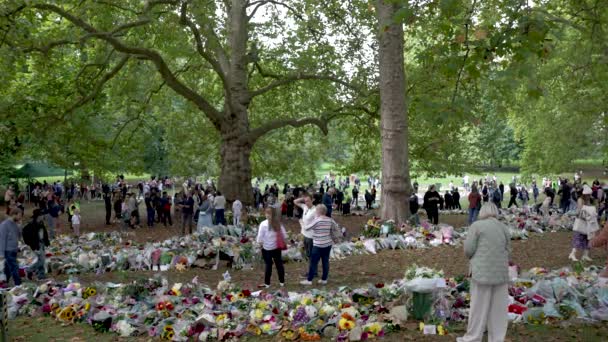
[
  {"x": 106, "y": 252},
  {"x": 522, "y": 222},
  {"x": 193, "y": 311}
]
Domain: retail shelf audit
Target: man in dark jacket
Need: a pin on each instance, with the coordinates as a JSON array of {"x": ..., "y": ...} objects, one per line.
[
  {"x": 513, "y": 199},
  {"x": 414, "y": 207},
  {"x": 339, "y": 199},
  {"x": 448, "y": 200},
  {"x": 36, "y": 236},
  {"x": 328, "y": 202},
  {"x": 565, "y": 193},
  {"x": 501, "y": 187},
  {"x": 431, "y": 200},
  {"x": 456, "y": 199},
  {"x": 107, "y": 200},
  {"x": 355, "y": 193},
  {"x": 368, "y": 200}
]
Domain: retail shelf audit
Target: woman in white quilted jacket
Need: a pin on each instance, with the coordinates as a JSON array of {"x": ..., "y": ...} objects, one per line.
[{"x": 488, "y": 246}]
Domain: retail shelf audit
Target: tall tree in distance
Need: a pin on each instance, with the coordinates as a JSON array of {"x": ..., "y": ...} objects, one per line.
[{"x": 393, "y": 114}]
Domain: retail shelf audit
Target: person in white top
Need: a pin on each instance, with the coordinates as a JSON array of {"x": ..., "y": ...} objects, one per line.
[
  {"x": 185, "y": 186},
  {"x": 76, "y": 222},
  {"x": 219, "y": 203},
  {"x": 308, "y": 218},
  {"x": 237, "y": 206},
  {"x": 267, "y": 238}
]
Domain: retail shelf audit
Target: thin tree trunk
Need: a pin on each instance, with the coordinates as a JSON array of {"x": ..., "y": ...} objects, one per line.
[{"x": 393, "y": 116}]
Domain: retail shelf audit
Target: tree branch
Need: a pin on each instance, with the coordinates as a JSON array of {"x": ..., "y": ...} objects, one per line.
[
  {"x": 257, "y": 5},
  {"x": 114, "y": 4},
  {"x": 138, "y": 116},
  {"x": 151, "y": 3},
  {"x": 101, "y": 66},
  {"x": 321, "y": 122},
  {"x": 287, "y": 79},
  {"x": 256, "y": 133},
  {"x": 200, "y": 48},
  {"x": 46, "y": 48},
  {"x": 466, "y": 55},
  {"x": 98, "y": 86},
  {"x": 168, "y": 76},
  {"x": 130, "y": 25}
]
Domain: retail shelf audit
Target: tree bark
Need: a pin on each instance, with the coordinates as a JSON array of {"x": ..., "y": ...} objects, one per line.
[
  {"x": 235, "y": 175},
  {"x": 393, "y": 116}
]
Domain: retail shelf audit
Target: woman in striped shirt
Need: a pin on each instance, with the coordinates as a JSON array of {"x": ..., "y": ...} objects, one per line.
[
  {"x": 322, "y": 242},
  {"x": 267, "y": 237}
]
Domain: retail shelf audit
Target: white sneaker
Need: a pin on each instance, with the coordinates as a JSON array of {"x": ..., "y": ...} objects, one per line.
[
  {"x": 282, "y": 284},
  {"x": 263, "y": 286},
  {"x": 306, "y": 282},
  {"x": 322, "y": 282},
  {"x": 586, "y": 258},
  {"x": 572, "y": 257}
]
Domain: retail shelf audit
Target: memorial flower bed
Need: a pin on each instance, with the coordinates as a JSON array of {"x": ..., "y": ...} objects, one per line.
[{"x": 180, "y": 312}]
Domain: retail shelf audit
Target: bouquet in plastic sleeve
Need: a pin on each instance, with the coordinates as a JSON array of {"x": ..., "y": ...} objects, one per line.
[{"x": 423, "y": 279}]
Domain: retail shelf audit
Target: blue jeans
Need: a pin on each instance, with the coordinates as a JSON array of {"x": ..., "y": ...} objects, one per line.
[
  {"x": 473, "y": 212},
  {"x": 51, "y": 222},
  {"x": 11, "y": 268},
  {"x": 38, "y": 266},
  {"x": 150, "y": 216},
  {"x": 219, "y": 217},
  {"x": 316, "y": 255}
]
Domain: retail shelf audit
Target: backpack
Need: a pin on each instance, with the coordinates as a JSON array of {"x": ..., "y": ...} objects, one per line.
[{"x": 496, "y": 196}]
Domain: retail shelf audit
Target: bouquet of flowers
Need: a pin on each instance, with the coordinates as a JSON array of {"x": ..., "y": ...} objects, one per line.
[
  {"x": 423, "y": 279},
  {"x": 414, "y": 272},
  {"x": 372, "y": 228}
]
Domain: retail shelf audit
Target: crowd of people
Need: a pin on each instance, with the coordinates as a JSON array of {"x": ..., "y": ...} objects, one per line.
[
  {"x": 329, "y": 192},
  {"x": 491, "y": 190},
  {"x": 312, "y": 205}
]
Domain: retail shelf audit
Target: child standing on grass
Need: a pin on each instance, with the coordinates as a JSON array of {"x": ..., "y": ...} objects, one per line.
[{"x": 76, "y": 221}]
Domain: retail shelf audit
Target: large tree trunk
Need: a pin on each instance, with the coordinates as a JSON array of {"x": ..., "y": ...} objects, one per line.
[
  {"x": 235, "y": 172},
  {"x": 393, "y": 116}
]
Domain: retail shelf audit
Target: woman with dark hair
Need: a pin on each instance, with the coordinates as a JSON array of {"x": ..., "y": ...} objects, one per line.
[{"x": 268, "y": 237}]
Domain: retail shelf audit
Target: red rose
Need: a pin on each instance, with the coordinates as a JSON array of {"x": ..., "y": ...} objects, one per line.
[
  {"x": 246, "y": 293},
  {"x": 275, "y": 311},
  {"x": 379, "y": 285}
]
